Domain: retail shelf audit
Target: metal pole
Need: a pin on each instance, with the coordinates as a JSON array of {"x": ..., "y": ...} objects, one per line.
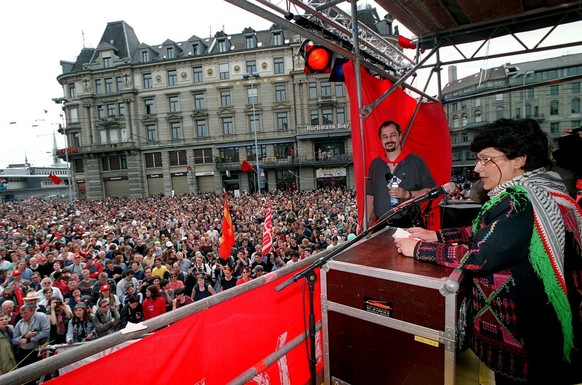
[
  {"x": 69, "y": 186},
  {"x": 254, "y": 127}
]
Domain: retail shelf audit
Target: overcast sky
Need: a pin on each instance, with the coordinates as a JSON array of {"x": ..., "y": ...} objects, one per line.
[{"x": 37, "y": 35}]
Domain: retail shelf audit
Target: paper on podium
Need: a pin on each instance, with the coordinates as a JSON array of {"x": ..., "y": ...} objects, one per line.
[{"x": 400, "y": 233}]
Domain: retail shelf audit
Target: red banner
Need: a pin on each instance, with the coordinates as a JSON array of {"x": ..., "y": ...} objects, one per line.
[
  {"x": 216, "y": 345},
  {"x": 227, "y": 238},
  {"x": 428, "y": 137}
]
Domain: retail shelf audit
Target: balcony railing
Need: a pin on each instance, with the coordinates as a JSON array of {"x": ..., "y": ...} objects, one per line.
[{"x": 291, "y": 161}]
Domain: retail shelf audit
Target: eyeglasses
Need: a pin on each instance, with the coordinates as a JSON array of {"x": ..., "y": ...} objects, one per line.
[
  {"x": 484, "y": 161},
  {"x": 391, "y": 136},
  {"x": 106, "y": 305}
]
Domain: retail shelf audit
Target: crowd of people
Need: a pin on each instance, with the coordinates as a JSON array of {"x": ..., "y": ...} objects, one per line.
[{"x": 74, "y": 274}]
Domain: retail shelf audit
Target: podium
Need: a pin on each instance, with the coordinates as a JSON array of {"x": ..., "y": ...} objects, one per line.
[{"x": 389, "y": 319}]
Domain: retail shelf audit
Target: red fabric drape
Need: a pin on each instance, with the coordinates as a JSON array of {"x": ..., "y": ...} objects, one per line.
[
  {"x": 428, "y": 137},
  {"x": 216, "y": 345}
]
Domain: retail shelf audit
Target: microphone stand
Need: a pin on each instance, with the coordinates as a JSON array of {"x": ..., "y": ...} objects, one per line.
[{"x": 309, "y": 274}]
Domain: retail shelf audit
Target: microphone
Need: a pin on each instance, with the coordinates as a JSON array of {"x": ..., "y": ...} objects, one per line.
[{"x": 435, "y": 192}]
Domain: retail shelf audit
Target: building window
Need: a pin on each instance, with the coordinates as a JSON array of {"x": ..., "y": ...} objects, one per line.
[
  {"x": 554, "y": 90},
  {"x": 575, "y": 87},
  {"x": 112, "y": 163},
  {"x": 528, "y": 110},
  {"x": 498, "y": 97},
  {"x": 464, "y": 120},
  {"x": 499, "y": 113},
  {"x": 222, "y": 46},
  {"x": 223, "y": 71},
  {"x": 277, "y": 38},
  {"x": 172, "y": 77},
  {"x": 144, "y": 57},
  {"x": 554, "y": 110},
  {"x": 255, "y": 123},
  {"x": 74, "y": 115},
  {"x": 98, "y": 85},
  {"x": 229, "y": 154},
  {"x": 279, "y": 65},
  {"x": 455, "y": 121},
  {"x": 477, "y": 116},
  {"x": 201, "y": 128},
  {"x": 75, "y": 139},
  {"x": 251, "y": 152},
  {"x": 252, "y": 95},
  {"x": 152, "y": 132},
  {"x": 170, "y": 53},
  {"x": 282, "y": 123},
  {"x": 202, "y": 156},
  {"x": 283, "y": 150},
  {"x": 341, "y": 116},
  {"x": 325, "y": 89},
  {"x": 314, "y": 116},
  {"x": 575, "y": 123},
  {"x": 340, "y": 91},
  {"x": 177, "y": 133},
  {"x": 119, "y": 83},
  {"x": 327, "y": 116},
  {"x": 555, "y": 128},
  {"x": 227, "y": 125},
  {"x": 575, "y": 106},
  {"x": 107, "y": 62},
  {"x": 225, "y": 98},
  {"x": 199, "y": 101},
  {"x": 478, "y": 102},
  {"x": 251, "y": 66},
  {"x": 174, "y": 103},
  {"x": 178, "y": 158},
  {"x": 108, "y": 85},
  {"x": 72, "y": 93},
  {"x": 517, "y": 113},
  {"x": 153, "y": 159},
  {"x": 147, "y": 81},
  {"x": 121, "y": 108},
  {"x": 536, "y": 110},
  {"x": 101, "y": 111},
  {"x": 312, "y": 90},
  {"x": 150, "y": 107},
  {"x": 78, "y": 166},
  {"x": 280, "y": 93},
  {"x": 531, "y": 93},
  {"x": 197, "y": 74},
  {"x": 250, "y": 42},
  {"x": 111, "y": 110}
]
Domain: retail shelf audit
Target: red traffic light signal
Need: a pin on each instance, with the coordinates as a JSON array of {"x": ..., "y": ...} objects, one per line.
[{"x": 318, "y": 59}]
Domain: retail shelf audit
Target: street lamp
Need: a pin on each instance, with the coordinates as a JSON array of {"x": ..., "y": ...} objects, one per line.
[
  {"x": 62, "y": 101},
  {"x": 253, "y": 76}
]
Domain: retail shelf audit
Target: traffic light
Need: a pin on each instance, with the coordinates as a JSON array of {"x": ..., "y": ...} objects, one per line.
[{"x": 321, "y": 60}]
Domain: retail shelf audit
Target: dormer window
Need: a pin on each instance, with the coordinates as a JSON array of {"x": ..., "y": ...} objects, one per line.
[
  {"x": 107, "y": 62},
  {"x": 144, "y": 56},
  {"x": 251, "y": 42},
  {"x": 277, "y": 38},
  {"x": 170, "y": 52},
  {"x": 222, "y": 46}
]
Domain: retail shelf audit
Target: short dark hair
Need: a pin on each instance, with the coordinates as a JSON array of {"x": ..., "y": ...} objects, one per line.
[
  {"x": 389, "y": 123},
  {"x": 515, "y": 138}
]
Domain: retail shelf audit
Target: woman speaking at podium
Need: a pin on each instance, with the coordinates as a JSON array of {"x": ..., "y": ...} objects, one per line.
[{"x": 523, "y": 255}]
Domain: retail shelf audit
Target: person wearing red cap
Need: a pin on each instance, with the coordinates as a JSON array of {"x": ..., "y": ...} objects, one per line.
[{"x": 105, "y": 292}]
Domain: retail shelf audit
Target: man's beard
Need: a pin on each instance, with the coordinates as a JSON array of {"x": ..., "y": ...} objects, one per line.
[{"x": 391, "y": 149}]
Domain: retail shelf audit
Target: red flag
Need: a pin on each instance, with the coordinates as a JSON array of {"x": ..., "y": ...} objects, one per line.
[
  {"x": 246, "y": 166},
  {"x": 18, "y": 294},
  {"x": 268, "y": 231},
  {"x": 55, "y": 178},
  {"x": 227, "y": 237}
]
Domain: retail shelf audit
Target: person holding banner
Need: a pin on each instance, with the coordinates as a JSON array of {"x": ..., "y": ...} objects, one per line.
[
  {"x": 409, "y": 171},
  {"x": 523, "y": 254}
]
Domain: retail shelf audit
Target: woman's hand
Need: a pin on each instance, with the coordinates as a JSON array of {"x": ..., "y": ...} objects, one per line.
[
  {"x": 406, "y": 246},
  {"x": 423, "y": 234}
]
